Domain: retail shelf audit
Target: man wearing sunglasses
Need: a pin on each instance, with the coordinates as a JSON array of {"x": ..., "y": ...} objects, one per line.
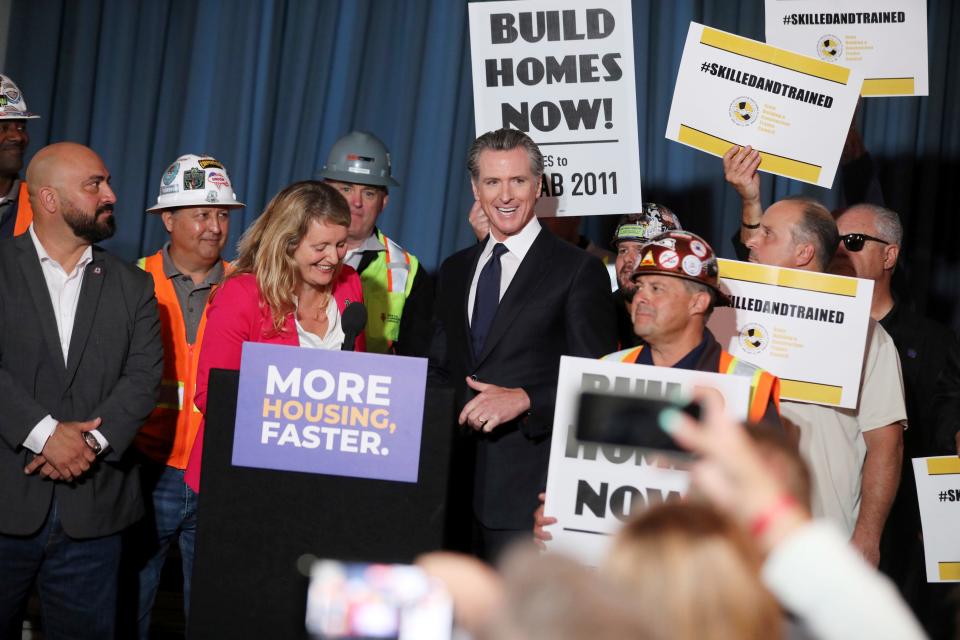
[
  {"x": 930, "y": 357},
  {"x": 854, "y": 455}
]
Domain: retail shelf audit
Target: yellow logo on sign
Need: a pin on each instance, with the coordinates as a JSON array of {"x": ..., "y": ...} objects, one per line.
[{"x": 829, "y": 47}]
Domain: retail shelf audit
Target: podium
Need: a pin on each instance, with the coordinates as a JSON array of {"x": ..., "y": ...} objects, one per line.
[{"x": 254, "y": 524}]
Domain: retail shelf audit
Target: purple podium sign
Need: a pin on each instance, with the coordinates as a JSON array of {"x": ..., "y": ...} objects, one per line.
[{"x": 332, "y": 412}]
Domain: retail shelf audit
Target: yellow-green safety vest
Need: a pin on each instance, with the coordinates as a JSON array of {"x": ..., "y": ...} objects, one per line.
[{"x": 387, "y": 282}]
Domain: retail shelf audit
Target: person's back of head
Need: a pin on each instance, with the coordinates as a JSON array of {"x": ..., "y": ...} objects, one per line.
[
  {"x": 554, "y": 598},
  {"x": 693, "y": 574}
]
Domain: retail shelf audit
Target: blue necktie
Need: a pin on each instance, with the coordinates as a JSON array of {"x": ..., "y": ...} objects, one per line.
[{"x": 486, "y": 299}]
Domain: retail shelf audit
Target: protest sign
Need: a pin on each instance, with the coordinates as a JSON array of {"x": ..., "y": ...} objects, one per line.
[
  {"x": 886, "y": 40},
  {"x": 809, "y": 329},
  {"x": 794, "y": 110},
  {"x": 563, "y": 71},
  {"x": 331, "y": 412},
  {"x": 592, "y": 488},
  {"x": 938, "y": 493}
]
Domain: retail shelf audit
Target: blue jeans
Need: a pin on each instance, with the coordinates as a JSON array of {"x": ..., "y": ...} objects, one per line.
[
  {"x": 171, "y": 514},
  {"x": 76, "y": 578}
]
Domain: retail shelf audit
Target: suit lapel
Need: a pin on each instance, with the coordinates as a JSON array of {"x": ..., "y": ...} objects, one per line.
[
  {"x": 37, "y": 285},
  {"x": 532, "y": 270},
  {"x": 86, "y": 311},
  {"x": 473, "y": 259}
]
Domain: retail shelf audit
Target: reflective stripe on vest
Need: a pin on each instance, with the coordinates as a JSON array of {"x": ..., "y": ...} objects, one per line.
[
  {"x": 387, "y": 282},
  {"x": 626, "y": 355},
  {"x": 763, "y": 385},
  {"x": 168, "y": 434},
  {"x": 24, "y": 212}
]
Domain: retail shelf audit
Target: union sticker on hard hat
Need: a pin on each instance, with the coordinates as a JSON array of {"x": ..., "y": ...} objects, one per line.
[
  {"x": 692, "y": 265},
  {"x": 698, "y": 249},
  {"x": 12, "y": 95},
  {"x": 210, "y": 163},
  {"x": 647, "y": 260},
  {"x": 669, "y": 243},
  {"x": 358, "y": 170},
  {"x": 171, "y": 173},
  {"x": 668, "y": 259},
  {"x": 217, "y": 178},
  {"x": 167, "y": 189},
  {"x": 212, "y": 196}
]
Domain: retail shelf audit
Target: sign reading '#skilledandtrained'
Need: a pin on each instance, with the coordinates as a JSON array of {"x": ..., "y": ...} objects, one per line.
[
  {"x": 563, "y": 71},
  {"x": 591, "y": 488},
  {"x": 885, "y": 39},
  {"x": 938, "y": 494},
  {"x": 794, "y": 109},
  {"x": 332, "y": 412},
  {"x": 809, "y": 329}
]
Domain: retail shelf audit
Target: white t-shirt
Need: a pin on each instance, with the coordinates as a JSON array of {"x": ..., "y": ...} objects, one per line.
[
  {"x": 335, "y": 335},
  {"x": 831, "y": 439}
]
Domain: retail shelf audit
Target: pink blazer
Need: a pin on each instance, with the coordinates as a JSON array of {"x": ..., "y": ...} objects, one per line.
[{"x": 238, "y": 314}]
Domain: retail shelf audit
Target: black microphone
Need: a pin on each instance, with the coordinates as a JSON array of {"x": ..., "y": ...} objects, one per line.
[{"x": 353, "y": 319}]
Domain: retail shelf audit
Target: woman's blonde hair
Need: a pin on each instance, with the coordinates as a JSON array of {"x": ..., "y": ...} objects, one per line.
[
  {"x": 266, "y": 248},
  {"x": 693, "y": 574}
]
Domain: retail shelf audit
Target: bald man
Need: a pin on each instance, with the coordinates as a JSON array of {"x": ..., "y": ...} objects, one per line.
[{"x": 80, "y": 364}]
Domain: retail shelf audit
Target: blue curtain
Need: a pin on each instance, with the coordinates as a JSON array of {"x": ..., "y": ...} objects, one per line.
[{"x": 268, "y": 86}]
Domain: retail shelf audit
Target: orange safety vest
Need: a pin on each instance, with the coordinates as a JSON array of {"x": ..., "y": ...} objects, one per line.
[
  {"x": 763, "y": 385},
  {"x": 175, "y": 417},
  {"x": 24, "y": 212}
]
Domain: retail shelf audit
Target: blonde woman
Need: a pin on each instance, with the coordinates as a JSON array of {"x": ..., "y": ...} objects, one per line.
[{"x": 290, "y": 286}]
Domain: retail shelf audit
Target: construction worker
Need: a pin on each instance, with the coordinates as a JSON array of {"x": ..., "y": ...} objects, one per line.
[
  {"x": 397, "y": 290},
  {"x": 195, "y": 200},
  {"x": 15, "y": 212},
  {"x": 677, "y": 288},
  {"x": 632, "y": 232}
]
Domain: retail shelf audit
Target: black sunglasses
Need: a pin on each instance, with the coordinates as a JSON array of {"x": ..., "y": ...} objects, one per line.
[{"x": 855, "y": 241}]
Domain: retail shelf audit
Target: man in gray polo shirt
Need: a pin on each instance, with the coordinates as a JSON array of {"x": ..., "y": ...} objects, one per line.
[{"x": 195, "y": 201}]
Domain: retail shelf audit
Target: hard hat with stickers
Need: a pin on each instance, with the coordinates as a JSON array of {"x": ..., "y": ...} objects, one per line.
[
  {"x": 682, "y": 254},
  {"x": 12, "y": 104},
  {"x": 361, "y": 158},
  {"x": 641, "y": 227},
  {"x": 195, "y": 181}
]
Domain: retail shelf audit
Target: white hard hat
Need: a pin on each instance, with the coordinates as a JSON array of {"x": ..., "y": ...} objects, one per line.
[
  {"x": 12, "y": 104},
  {"x": 195, "y": 181}
]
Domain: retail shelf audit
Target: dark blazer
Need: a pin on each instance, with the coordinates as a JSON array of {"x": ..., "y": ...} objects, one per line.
[
  {"x": 113, "y": 371},
  {"x": 558, "y": 303}
]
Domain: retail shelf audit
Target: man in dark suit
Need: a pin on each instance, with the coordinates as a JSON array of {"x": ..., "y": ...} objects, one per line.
[
  {"x": 506, "y": 310},
  {"x": 80, "y": 364}
]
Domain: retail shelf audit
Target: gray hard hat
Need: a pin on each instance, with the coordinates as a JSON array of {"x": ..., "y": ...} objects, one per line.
[{"x": 359, "y": 157}]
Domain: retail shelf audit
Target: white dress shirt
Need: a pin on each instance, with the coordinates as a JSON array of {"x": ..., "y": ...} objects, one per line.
[
  {"x": 64, "y": 290},
  {"x": 517, "y": 247}
]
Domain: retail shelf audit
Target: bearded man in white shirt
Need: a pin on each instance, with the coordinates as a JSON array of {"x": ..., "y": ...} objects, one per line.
[{"x": 80, "y": 365}]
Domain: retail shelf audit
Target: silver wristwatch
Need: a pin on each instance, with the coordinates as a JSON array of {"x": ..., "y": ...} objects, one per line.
[{"x": 92, "y": 442}]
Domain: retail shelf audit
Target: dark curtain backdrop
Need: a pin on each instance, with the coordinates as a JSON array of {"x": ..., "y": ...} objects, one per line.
[{"x": 267, "y": 86}]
